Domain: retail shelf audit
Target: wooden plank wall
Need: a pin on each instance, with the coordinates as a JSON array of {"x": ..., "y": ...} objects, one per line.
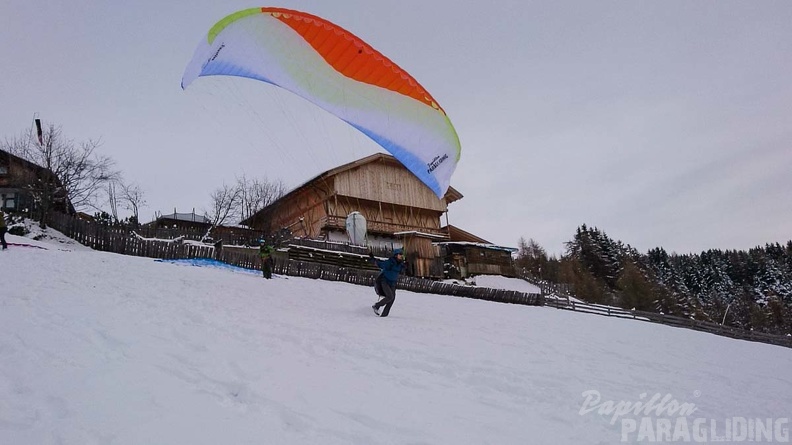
[
  {"x": 385, "y": 216},
  {"x": 387, "y": 182},
  {"x": 309, "y": 204}
]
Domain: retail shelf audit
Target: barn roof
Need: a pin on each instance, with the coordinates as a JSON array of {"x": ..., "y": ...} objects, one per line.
[
  {"x": 457, "y": 234},
  {"x": 189, "y": 217},
  {"x": 480, "y": 245},
  {"x": 451, "y": 195},
  {"x": 460, "y": 237}
]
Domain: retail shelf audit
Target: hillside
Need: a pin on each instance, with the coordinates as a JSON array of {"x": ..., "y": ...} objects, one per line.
[{"x": 99, "y": 348}]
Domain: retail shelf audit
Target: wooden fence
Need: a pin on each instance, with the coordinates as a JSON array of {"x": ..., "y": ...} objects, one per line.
[
  {"x": 120, "y": 241},
  {"x": 547, "y": 287},
  {"x": 226, "y": 235},
  {"x": 331, "y": 272},
  {"x": 670, "y": 320}
]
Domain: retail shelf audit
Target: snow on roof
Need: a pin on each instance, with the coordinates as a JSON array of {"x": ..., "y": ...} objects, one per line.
[
  {"x": 178, "y": 239},
  {"x": 191, "y": 217},
  {"x": 482, "y": 245},
  {"x": 423, "y": 234}
]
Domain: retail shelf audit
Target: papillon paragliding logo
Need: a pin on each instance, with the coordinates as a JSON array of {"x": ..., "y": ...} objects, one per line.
[
  {"x": 661, "y": 418},
  {"x": 436, "y": 163},
  {"x": 216, "y": 53},
  {"x": 339, "y": 72}
]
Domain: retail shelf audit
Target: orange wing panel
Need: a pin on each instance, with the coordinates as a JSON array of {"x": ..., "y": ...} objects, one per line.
[{"x": 351, "y": 56}]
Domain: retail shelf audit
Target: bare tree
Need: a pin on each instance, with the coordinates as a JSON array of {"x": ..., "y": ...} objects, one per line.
[
  {"x": 134, "y": 199},
  {"x": 112, "y": 200},
  {"x": 256, "y": 194},
  {"x": 126, "y": 195},
  {"x": 225, "y": 205},
  {"x": 241, "y": 200},
  {"x": 69, "y": 171}
]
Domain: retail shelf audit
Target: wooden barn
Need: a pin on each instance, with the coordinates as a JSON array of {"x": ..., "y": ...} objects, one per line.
[
  {"x": 466, "y": 255},
  {"x": 184, "y": 221},
  {"x": 18, "y": 176},
  {"x": 399, "y": 209}
]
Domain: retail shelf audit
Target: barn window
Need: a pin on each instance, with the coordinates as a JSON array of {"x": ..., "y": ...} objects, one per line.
[{"x": 8, "y": 202}]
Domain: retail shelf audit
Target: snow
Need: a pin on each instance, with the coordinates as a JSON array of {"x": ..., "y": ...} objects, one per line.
[
  {"x": 43, "y": 238},
  {"x": 99, "y": 348},
  {"x": 500, "y": 282},
  {"x": 484, "y": 245},
  {"x": 162, "y": 240}
]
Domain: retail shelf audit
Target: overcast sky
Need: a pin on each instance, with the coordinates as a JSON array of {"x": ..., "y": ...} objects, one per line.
[{"x": 662, "y": 123}]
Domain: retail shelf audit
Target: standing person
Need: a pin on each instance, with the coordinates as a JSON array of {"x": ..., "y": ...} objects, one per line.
[
  {"x": 265, "y": 252},
  {"x": 3, "y": 230},
  {"x": 386, "y": 281}
]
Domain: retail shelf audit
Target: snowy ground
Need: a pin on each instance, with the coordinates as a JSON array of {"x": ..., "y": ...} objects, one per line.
[
  {"x": 99, "y": 348},
  {"x": 499, "y": 282}
]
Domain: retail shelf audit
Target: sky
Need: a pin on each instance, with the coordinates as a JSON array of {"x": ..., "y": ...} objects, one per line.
[
  {"x": 664, "y": 124},
  {"x": 106, "y": 348}
]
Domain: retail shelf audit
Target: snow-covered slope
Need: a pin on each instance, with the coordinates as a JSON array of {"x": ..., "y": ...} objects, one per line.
[
  {"x": 499, "y": 282},
  {"x": 99, "y": 348}
]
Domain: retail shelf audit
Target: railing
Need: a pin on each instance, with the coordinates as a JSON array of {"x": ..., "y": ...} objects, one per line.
[
  {"x": 547, "y": 287},
  {"x": 379, "y": 226},
  {"x": 670, "y": 320},
  {"x": 339, "y": 247}
]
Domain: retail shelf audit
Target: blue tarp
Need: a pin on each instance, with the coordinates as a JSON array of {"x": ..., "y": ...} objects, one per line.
[{"x": 214, "y": 264}]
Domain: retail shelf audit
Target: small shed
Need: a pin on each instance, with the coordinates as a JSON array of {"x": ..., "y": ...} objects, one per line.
[
  {"x": 422, "y": 255},
  {"x": 466, "y": 254}
]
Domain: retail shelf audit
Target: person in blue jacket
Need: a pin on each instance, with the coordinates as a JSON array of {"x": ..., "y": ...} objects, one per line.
[
  {"x": 3, "y": 230},
  {"x": 386, "y": 281}
]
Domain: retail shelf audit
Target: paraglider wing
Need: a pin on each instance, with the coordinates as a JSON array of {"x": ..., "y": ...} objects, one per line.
[{"x": 340, "y": 73}]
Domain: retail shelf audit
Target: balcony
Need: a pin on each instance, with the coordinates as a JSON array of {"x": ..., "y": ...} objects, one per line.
[{"x": 339, "y": 223}]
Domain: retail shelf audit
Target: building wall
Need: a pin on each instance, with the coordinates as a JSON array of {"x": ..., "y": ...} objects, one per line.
[
  {"x": 388, "y": 196},
  {"x": 472, "y": 260},
  {"x": 391, "y": 199},
  {"x": 373, "y": 240},
  {"x": 15, "y": 176},
  {"x": 10, "y": 195},
  {"x": 387, "y": 182},
  {"x": 383, "y": 217},
  {"x": 487, "y": 261},
  {"x": 310, "y": 204}
]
